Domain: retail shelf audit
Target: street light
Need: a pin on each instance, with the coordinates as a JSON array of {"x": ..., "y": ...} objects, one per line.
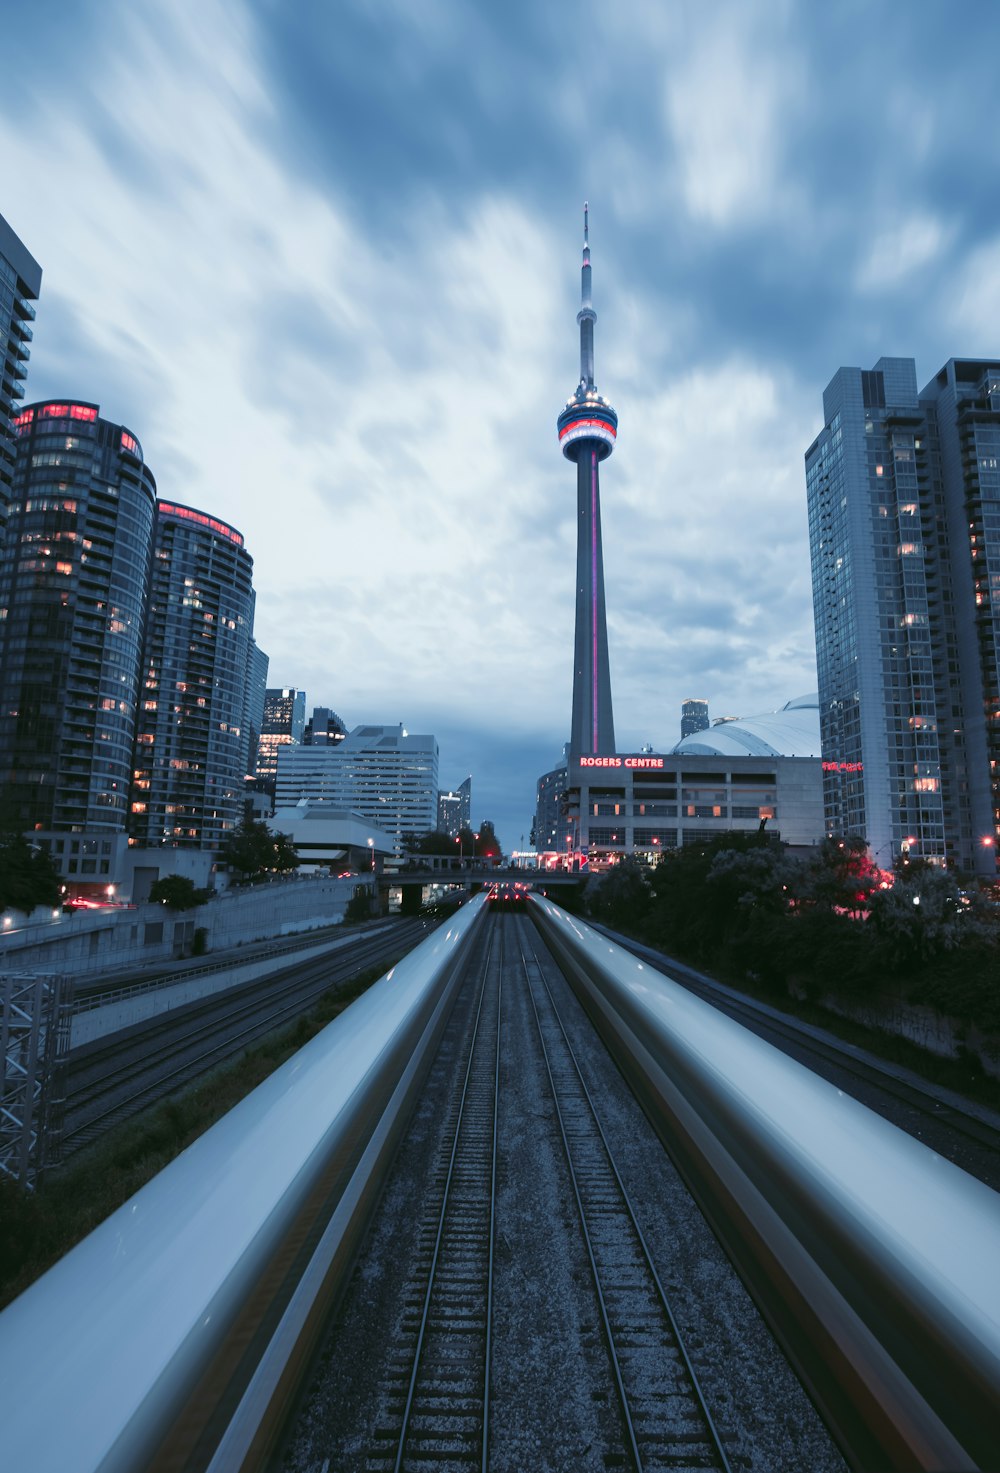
[{"x": 371, "y": 846}]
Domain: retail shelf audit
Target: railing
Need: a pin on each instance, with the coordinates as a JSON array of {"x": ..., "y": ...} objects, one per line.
[
  {"x": 174, "y": 1335},
  {"x": 874, "y": 1259}
]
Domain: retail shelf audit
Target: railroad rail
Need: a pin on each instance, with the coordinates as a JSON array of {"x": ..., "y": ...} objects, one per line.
[
  {"x": 872, "y": 1258},
  {"x": 110, "y": 1080},
  {"x": 668, "y": 1422},
  {"x": 179, "y": 1332}
]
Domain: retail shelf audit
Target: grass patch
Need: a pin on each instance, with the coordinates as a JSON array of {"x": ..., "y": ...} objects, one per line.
[{"x": 37, "y": 1228}]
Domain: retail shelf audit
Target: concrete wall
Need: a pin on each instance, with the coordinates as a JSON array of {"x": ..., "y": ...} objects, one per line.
[
  {"x": 94, "y": 942},
  {"x": 123, "y": 1012}
]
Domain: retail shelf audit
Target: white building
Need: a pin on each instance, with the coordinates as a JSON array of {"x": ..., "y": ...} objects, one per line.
[
  {"x": 383, "y": 773},
  {"x": 333, "y": 838}
]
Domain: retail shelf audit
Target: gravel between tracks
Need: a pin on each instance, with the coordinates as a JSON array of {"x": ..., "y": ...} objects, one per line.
[{"x": 552, "y": 1403}]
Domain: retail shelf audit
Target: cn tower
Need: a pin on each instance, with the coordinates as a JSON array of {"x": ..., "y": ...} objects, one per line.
[{"x": 587, "y": 430}]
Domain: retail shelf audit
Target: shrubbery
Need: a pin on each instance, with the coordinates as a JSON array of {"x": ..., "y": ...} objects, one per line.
[{"x": 741, "y": 907}]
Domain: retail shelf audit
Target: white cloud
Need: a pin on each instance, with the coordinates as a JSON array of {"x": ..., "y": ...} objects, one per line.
[
  {"x": 377, "y": 413},
  {"x": 730, "y": 100},
  {"x": 971, "y": 301},
  {"x": 902, "y": 248}
]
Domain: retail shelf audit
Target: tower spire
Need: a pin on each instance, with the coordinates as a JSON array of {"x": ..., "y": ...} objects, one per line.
[{"x": 586, "y": 316}]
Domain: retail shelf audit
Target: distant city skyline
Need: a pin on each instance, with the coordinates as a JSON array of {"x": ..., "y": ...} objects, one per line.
[{"x": 355, "y": 359}]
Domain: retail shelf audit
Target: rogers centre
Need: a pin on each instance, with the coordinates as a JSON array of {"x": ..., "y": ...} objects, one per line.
[{"x": 606, "y": 806}]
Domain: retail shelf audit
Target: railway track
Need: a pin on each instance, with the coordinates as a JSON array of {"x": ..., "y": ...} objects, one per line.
[
  {"x": 437, "y": 1390},
  {"x": 667, "y": 1421},
  {"x": 434, "y": 1354},
  {"x": 109, "y": 1082}
]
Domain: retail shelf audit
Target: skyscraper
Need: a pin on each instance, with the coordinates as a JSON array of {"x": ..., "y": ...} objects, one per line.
[
  {"x": 587, "y": 430},
  {"x": 904, "y": 527},
  {"x": 694, "y": 717},
  {"x": 74, "y": 577},
  {"x": 323, "y": 727},
  {"x": 20, "y": 283},
  {"x": 190, "y": 751},
  {"x": 257, "y": 663},
  {"x": 284, "y": 723},
  {"x": 454, "y": 811}
]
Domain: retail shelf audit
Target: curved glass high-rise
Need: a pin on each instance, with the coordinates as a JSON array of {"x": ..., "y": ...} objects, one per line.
[
  {"x": 190, "y": 745},
  {"x": 73, "y": 583},
  {"x": 588, "y": 427}
]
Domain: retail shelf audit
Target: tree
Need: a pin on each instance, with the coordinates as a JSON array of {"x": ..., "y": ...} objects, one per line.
[
  {"x": 840, "y": 877},
  {"x": 286, "y": 856},
  {"x": 176, "y": 891},
  {"x": 925, "y": 914},
  {"x": 622, "y": 896},
  {"x": 253, "y": 849},
  {"x": 28, "y": 876}
]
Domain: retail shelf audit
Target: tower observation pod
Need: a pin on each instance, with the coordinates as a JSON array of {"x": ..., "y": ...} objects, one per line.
[{"x": 588, "y": 427}]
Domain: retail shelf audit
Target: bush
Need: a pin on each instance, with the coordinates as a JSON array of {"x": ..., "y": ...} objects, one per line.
[{"x": 175, "y": 891}]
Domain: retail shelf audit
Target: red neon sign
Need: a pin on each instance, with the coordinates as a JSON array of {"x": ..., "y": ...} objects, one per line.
[
  {"x": 24, "y": 418},
  {"x": 644, "y": 762},
  {"x": 130, "y": 443},
  {"x": 187, "y": 515},
  {"x": 843, "y": 767}
]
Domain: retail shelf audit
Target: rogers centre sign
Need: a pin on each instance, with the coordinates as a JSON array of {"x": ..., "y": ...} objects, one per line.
[{"x": 621, "y": 761}]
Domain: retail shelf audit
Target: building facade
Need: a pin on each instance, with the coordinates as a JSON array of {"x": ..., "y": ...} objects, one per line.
[
  {"x": 553, "y": 832},
  {"x": 323, "y": 728},
  {"x": 284, "y": 722},
  {"x": 644, "y": 803},
  {"x": 694, "y": 717},
  {"x": 454, "y": 810},
  {"x": 904, "y": 529},
  {"x": 257, "y": 663},
  {"x": 588, "y": 428},
  {"x": 74, "y": 578},
  {"x": 190, "y": 746},
  {"x": 384, "y": 773},
  {"x": 20, "y": 283}
]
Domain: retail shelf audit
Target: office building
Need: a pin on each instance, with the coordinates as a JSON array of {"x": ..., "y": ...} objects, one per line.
[
  {"x": 588, "y": 427},
  {"x": 253, "y": 720},
  {"x": 284, "y": 722},
  {"x": 74, "y": 577},
  {"x": 904, "y": 527},
  {"x": 694, "y": 717},
  {"x": 323, "y": 728},
  {"x": 553, "y": 831},
  {"x": 190, "y": 747},
  {"x": 381, "y": 772},
  {"x": 454, "y": 811},
  {"x": 20, "y": 283}
]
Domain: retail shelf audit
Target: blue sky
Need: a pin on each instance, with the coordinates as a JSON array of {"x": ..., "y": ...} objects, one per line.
[{"x": 324, "y": 261}]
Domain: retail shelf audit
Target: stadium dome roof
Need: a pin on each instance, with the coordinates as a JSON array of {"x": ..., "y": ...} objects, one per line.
[{"x": 791, "y": 732}]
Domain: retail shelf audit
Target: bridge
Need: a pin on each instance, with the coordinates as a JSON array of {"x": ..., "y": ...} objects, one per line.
[{"x": 541, "y": 1287}]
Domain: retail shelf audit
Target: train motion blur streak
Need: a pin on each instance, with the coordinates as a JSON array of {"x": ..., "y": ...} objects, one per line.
[
  {"x": 874, "y": 1259},
  {"x": 129, "y": 1352}
]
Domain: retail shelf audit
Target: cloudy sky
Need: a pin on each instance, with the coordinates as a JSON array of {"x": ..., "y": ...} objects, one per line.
[{"x": 324, "y": 261}]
